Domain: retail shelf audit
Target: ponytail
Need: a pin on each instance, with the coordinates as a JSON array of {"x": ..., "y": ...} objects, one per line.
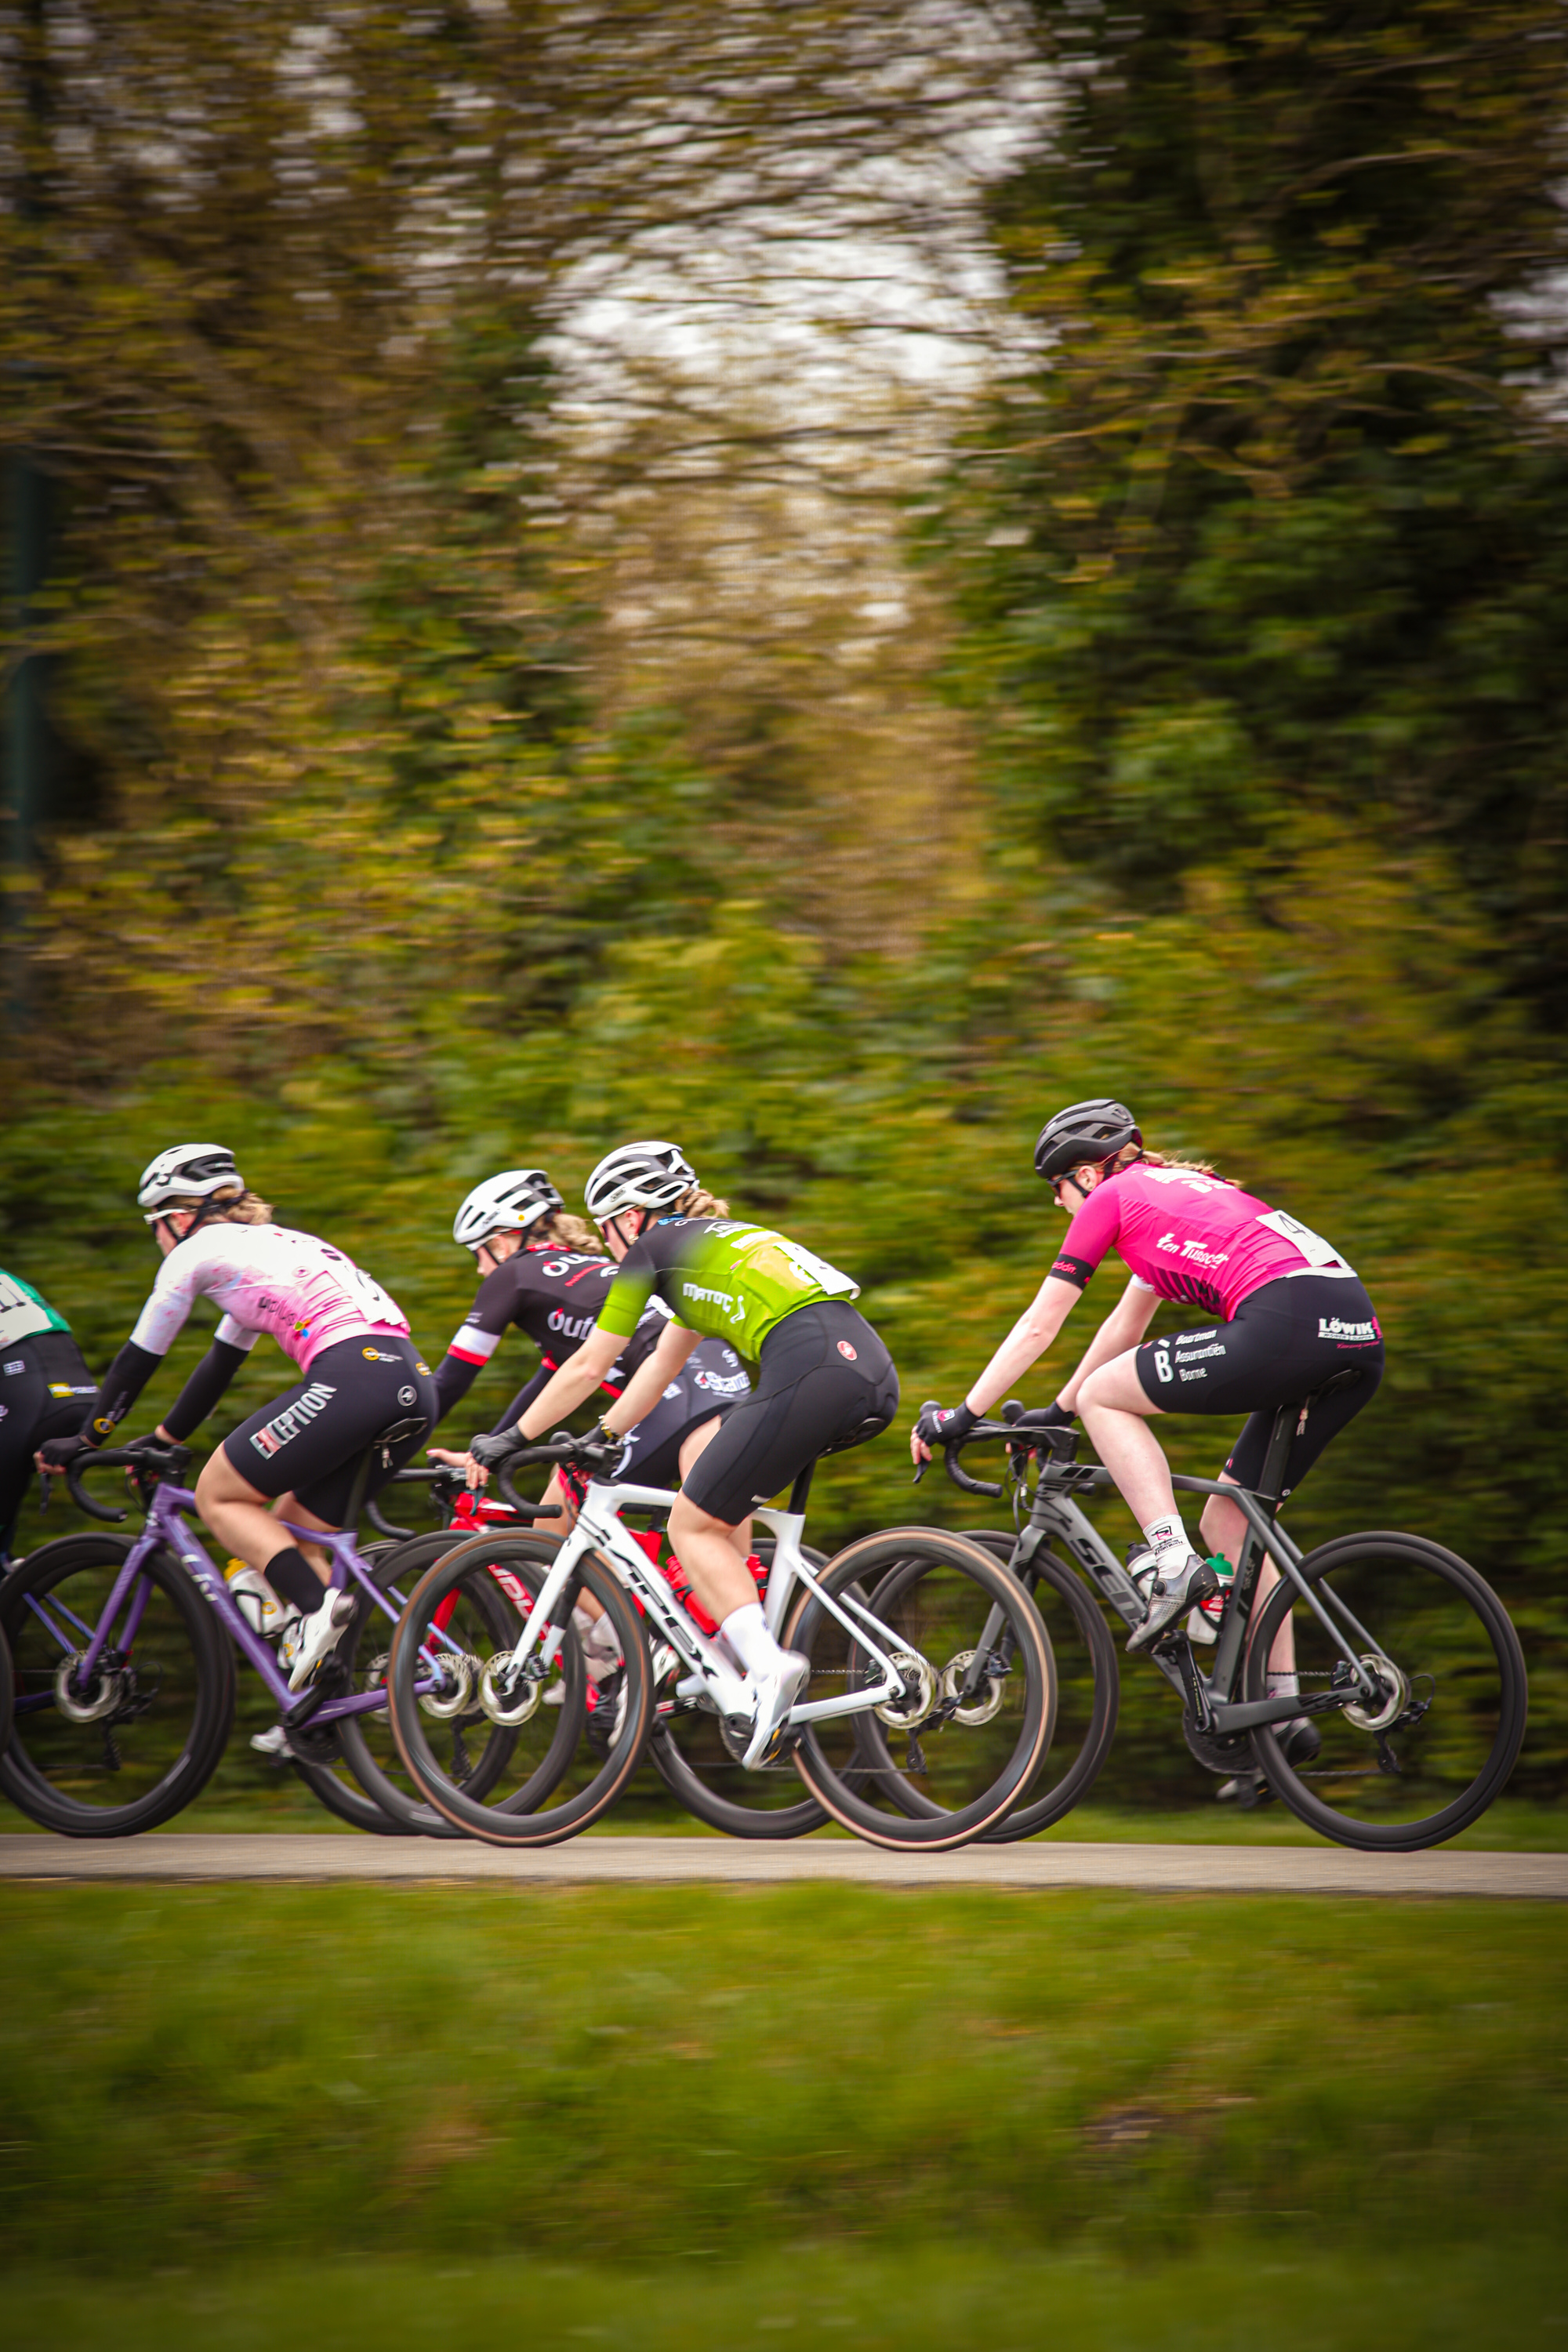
[{"x": 699, "y": 1203}]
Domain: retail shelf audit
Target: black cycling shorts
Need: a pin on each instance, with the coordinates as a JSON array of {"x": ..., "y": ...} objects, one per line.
[
  {"x": 826, "y": 1381},
  {"x": 44, "y": 1391},
  {"x": 310, "y": 1441},
  {"x": 1283, "y": 1342},
  {"x": 713, "y": 1380}
]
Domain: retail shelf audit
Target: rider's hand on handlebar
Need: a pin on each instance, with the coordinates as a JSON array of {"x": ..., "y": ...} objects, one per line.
[
  {"x": 54, "y": 1456},
  {"x": 489, "y": 1453},
  {"x": 939, "y": 1424}
]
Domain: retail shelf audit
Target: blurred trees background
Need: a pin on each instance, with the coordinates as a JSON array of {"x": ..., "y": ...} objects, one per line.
[{"x": 820, "y": 579}]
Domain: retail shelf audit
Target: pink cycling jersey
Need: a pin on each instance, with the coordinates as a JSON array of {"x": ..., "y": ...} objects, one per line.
[
  {"x": 1191, "y": 1237},
  {"x": 266, "y": 1278}
]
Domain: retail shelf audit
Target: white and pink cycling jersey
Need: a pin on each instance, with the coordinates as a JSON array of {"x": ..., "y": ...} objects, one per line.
[
  {"x": 1191, "y": 1237},
  {"x": 266, "y": 1278}
]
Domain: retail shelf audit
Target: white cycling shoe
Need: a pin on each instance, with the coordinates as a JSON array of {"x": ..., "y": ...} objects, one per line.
[
  {"x": 311, "y": 1638},
  {"x": 776, "y": 1693},
  {"x": 1170, "y": 1593}
]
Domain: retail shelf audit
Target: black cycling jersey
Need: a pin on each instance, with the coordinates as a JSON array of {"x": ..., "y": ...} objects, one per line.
[{"x": 554, "y": 1295}]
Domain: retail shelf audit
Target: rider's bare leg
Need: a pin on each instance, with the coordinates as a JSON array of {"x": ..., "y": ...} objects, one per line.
[
  {"x": 1116, "y": 1412},
  {"x": 713, "y": 1555},
  {"x": 247, "y": 1521}
]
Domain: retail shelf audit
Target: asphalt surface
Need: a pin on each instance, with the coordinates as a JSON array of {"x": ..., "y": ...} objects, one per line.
[{"x": 654, "y": 1860}]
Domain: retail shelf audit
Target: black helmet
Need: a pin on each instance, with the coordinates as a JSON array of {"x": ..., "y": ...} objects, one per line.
[{"x": 1092, "y": 1131}]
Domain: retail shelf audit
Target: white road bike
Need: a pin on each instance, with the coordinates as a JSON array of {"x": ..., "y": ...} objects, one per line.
[{"x": 901, "y": 1695}]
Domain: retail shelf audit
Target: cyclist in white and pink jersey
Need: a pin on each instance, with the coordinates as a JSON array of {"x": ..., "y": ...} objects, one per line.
[
  {"x": 1289, "y": 1313},
  {"x": 297, "y": 1457}
]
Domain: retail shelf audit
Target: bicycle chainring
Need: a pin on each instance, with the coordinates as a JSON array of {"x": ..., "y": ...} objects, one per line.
[{"x": 1226, "y": 1752}]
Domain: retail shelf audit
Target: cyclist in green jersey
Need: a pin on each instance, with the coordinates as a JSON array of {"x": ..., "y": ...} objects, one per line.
[
  {"x": 825, "y": 1382},
  {"x": 45, "y": 1389}
]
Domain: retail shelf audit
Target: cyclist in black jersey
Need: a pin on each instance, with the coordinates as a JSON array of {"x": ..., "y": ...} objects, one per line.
[
  {"x": 44, "y": 1391},
  {"x": 544, "y": 1271},
  {"x": 827, "y": 1383}
]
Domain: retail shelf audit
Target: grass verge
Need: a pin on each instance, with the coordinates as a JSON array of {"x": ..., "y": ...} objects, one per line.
[
  {"x": 198, "y": 2073},
  {"x": 1269, "y": 2293}
]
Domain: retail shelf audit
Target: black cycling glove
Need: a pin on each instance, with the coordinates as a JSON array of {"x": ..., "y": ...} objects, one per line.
[
  {"x": 1046, "y": 1416},
  {"x": 489, "y": 1453},
  {"x": 942, "y": 1424},
  {"x": 57, "y": 1451}
]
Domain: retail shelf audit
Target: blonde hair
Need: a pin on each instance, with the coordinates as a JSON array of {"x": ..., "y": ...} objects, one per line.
[
  {"x": 231, "y": 1206},
  {"x": 566, "y": 1231},
  {"x": 699, "y": 1203},
  {"x": 1130, "y": 1154}
]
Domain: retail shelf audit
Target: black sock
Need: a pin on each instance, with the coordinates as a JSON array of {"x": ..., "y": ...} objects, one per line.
[{"x": 291, "y": 1573}]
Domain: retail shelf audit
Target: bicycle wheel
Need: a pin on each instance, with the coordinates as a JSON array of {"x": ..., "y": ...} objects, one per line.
[
  {"x": 480, "y": 1751},
  {"x": 7, "y": 1695},
  {"x": 440, "y": 1675},
  {"x": 1089, "y": 1690},
  {"x": 1431, "y": 1757},
  {"x": 690, "y": 1752},
  {"x": 133, "y": 1746},
  {"x": 925, "y": 1772}
]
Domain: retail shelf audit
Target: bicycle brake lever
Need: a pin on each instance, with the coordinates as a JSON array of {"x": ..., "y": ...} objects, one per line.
[{"x": 921, "y": 1470}]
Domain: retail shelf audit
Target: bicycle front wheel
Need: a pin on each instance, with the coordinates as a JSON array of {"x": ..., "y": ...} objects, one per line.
[
  {"x": 943, "y": 1762},
  {"x": 451, "y": 1682},
  {"x": 1089, "y": 1691},
  {"x": 1429, "y": 1757},
  {"x": 122, "y": 1749}
]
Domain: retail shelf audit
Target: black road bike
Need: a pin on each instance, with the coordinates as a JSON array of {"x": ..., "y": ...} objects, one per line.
[{"x": 1406, "y": 1662}]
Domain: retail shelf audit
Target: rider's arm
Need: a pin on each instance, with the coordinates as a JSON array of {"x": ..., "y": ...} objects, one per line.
[
  {"x": 122, "y": 1384},
  {"x": 577, "y": 1379},
  {"x": 1122, "y": 1329},
  {"x": 207, "y": 1382},
  {"x": 652, "y": 1377},
  {"x": 1028, "y": 1340}
]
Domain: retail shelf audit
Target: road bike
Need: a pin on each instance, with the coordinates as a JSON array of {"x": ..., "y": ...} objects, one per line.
[
  {"x": 124, "y": 1651},
  {"x": 891, "y": 1628},
  {"x": 1407, "y": 1667}
]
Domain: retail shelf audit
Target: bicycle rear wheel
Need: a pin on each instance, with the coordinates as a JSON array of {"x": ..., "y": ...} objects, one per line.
[
  {"x": 480, "y": 1753},
  {"x": 1430, "y": 1760},
  {"x": 691, "y": 1756},
  {"x": 1089, "y": 1690},
  {"x": 442, "y": 1674},
  {"x": 927, "y": 1771},
  {"x": 7, "y": 1696},
  {"x": 132, "y": 1746}
]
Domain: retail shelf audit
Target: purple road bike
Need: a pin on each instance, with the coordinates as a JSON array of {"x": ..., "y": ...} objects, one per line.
[{"x": 124, "y": 1659}]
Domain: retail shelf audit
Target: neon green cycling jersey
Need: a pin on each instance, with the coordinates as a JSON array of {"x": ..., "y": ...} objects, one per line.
[
  {"x": 23, "y": 1313},
  {"x": 720, "y": 1277}
]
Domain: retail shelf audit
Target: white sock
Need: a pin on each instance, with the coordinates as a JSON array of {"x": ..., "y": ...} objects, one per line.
[
  {"x": 601, "y": 1650},
  {"x": 1285, "y": 1685},
  {"x": 1167, "y": 1535},
  {"x": 746, "y": 1630}
]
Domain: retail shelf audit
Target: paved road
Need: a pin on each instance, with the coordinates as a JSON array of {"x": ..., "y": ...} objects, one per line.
[{"x": 1166, "y": 1869}]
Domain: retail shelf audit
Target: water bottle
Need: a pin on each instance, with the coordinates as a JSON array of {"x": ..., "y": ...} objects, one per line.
[
  {"x": 257, "y": 1602},
  {"x": 1203, "y": 1622}
]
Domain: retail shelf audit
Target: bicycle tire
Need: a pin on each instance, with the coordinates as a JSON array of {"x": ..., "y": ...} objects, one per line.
[
  {"x": 1040, "y": 1808},
  {"x": 979, "y": 1583},
  {"x": 525, "y": 1818},
  {"x": 7, "y": 1695},
  {"x": 708, "y": 1803},
  {"x": 1452, "y": 1631},
  {"x": 404, "y": 1564},
  {"x": 181, "y": 1721}
]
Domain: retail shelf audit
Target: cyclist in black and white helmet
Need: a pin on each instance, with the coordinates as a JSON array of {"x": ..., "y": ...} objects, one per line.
[
  {"x": 638, "y": 1176},
  {"x": 1286, "y": 1310},
  {"x": 296, "y": 1459},
  {"x": 546, "y": 1272}
]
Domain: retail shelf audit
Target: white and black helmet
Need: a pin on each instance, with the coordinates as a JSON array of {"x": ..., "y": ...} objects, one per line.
[
  {"x": 187, "y": 1171},
  {"x": 508, "y": 1204},
  {"x": 638, "y": 1176}
]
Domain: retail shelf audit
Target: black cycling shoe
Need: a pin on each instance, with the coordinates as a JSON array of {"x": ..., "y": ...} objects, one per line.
[
  {"x": 1301, "y": 1743},
  {"x": 604, "y": 1718}
]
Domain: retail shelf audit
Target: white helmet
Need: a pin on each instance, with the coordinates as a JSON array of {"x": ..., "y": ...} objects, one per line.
[
  {"x": 508, "y": 1204},
  {"x": 638, "y": 1176},
  {"x": 187, "y": 1171}
]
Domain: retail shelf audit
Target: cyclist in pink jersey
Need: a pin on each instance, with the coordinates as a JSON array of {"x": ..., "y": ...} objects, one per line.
[
  {"x": 1289, "y": 1313},
  {"x": 297, "y": 1457}
]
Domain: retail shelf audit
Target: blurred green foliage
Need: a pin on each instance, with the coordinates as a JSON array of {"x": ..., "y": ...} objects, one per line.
[{"x": 1259, "y": 578}]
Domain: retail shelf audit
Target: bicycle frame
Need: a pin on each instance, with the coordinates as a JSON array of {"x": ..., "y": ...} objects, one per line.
[
  {"x": 165, "y": 1526},
  {"x": 599, "y": 1528},
  {"x": 1056, "y": 1513}
]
